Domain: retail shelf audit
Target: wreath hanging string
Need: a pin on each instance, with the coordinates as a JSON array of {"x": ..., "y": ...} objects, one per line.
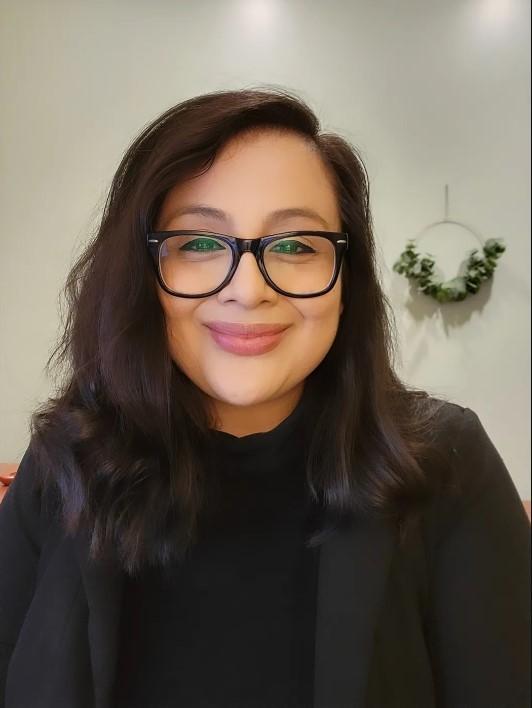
[{"x": 478, "y": 268}]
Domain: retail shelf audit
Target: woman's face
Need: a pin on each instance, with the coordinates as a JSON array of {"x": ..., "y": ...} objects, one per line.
[{"x": 253, "y": 176}]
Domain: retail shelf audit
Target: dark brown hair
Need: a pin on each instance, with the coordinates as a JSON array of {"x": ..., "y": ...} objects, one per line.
[{"x": 120, "y": 445}]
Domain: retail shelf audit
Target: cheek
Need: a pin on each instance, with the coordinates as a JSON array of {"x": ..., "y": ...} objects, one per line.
[
  {"x": 324, "y": 310},
  {"x": 319, "y": 321},
  {"x": 178, "y": 314}
]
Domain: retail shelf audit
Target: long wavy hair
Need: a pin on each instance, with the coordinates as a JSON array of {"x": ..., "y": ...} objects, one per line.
[{"x": 120, "y": 444}]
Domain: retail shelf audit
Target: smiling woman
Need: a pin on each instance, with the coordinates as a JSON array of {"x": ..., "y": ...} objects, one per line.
[
  {"x": 234, "y": 500},
  {"x": 253, "y": 182}
]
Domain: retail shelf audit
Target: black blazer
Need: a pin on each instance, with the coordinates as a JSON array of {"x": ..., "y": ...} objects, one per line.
[{"x": 442, "y": 622}]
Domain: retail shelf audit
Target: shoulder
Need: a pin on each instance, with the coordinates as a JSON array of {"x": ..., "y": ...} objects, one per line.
[
  {"x": 472, "y": 472},
  {"x": 29, "y": 506},
  {"x": 471, "y": 452}
]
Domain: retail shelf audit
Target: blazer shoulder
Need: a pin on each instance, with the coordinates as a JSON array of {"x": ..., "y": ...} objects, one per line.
[
  {"x": 473, "y": 466},
  {"x": 449, "y": 416},
  {"x": 456, "y": 427},
  {"x": 22, "y": 500},
  {"x": 28, "y": 503}
]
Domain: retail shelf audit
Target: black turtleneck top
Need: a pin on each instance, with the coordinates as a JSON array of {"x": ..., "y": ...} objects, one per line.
[{"x": 233, "y": 624}]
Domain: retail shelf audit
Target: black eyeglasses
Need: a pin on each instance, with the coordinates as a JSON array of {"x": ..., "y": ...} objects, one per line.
[{"x": 197, "y": 263}]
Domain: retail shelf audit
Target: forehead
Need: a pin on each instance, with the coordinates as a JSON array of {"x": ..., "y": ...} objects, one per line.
[
  {"x": 273, "y": 153},
  {"x": 255, "y": 174}
]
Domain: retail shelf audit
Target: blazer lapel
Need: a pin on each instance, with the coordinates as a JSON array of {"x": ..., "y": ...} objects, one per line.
[
  {"x": 354, "y": 565},
  {"x": 104, "y": 582}
]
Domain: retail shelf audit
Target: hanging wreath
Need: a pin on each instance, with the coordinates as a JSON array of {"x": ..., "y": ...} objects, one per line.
[{"x": 478, "y": 268}]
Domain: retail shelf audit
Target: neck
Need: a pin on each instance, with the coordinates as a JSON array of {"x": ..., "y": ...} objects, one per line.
[{"x": 257, "y": 418}]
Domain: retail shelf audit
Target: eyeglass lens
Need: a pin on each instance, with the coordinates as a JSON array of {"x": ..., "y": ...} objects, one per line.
[{"x": 195, "y": 264}]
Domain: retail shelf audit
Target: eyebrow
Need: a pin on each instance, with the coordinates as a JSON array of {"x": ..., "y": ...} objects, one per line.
[{"x": 272, "y": 218}]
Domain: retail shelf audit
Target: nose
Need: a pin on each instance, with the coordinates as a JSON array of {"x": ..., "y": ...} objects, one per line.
[{"x": 247, "y": 284}]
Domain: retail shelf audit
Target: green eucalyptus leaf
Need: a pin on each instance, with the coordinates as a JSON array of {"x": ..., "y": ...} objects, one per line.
[{"x": 477, "y": 269}]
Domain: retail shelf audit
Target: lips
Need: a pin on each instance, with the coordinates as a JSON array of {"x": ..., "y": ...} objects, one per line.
[
  {"x": 246, "y": 331},
  {"x": 247, "y": 346}
]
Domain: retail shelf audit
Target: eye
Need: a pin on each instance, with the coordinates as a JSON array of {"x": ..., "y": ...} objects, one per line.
[
  {"x": 290, "y": 246},
  {"x": 202, "y": 244}
]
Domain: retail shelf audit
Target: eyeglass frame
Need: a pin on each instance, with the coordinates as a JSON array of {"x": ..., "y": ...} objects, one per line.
[{"x": 256, "y": 246}]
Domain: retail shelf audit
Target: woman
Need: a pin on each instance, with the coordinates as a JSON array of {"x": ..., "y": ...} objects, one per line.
[{"x": 233, "y": 500}]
